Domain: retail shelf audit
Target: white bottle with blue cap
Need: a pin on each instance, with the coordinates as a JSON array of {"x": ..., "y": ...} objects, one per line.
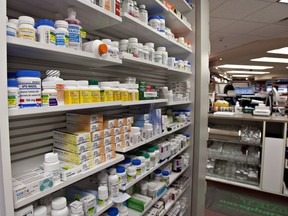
[{"x": 13, "y": 94}]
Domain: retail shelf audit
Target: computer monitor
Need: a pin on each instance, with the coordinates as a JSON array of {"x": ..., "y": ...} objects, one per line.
[{"x": 244, "y": 91}]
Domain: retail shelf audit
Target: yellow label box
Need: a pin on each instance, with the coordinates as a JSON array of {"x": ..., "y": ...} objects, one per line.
[
  {"x": 79, "y": 126},
  {"x": 72, "y": 147},
  {"x": 97, "y": 144},
  {"x": 109, "y": 132},
  {"x": 73, "y": 158},
  {"x": 97, "y": 135},
  {"x": 71, "y": 137},
  {"x": 93, "y": 118}
]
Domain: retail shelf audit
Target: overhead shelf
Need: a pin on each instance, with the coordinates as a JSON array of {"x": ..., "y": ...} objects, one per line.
[
  {"x": 175, "y": 23},
  {"x": 133, "y": 27},
  {"x": 142, "y": 102},
  {"x": 179, "y": 103},
  {"x": 70, "y": 181},
  {"x": 18, "y": 47},
  {"x": 91, "y": 16}
]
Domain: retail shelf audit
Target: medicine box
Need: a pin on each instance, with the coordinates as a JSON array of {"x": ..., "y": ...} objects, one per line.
[
  {"x": 110, "y": 155},
  {"x": 109, "y": 140},
  {"x": 97, "y": 135},
  {"x": 71, "y": 137},
  {"x": 127, "y": 128},
  {"x": 138, "y": 202},
  {"x": 119, "y": 137},
  {"x": 91, "y": 119},
  {"x": 86, "y": 165},
  {"x": 121, "y": 121},
  {"x": 107, "y": 124},
  {"x": 68, "y": 170},
  {"x": 89, "y": 204},
  {"x": 97, "y": 144},
  {"x": 73, "y": 158},
  {"x": 118, "y": 130},
  {"x": 160, "y": 188},
  {"x": 142, "y": 117},
  {"x": 99, "y": 159},
  {"x": 25, "y": 211},
  {"x": 87, "y": 146},
  {"x": 140, "y": 123},
  {"x": 77, "y": 126},
  {"x": 109, "y": 132},
  {"x": 122, "y": 144},
  {"x": 31, "y": 182}
]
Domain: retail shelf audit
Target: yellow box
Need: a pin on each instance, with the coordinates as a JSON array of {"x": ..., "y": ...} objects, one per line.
[
  {"x": 118, "y": 130},
  {"x": 109, "y": 132},
  {"x": 110, "y": 123},
  {"x": 72, "y": 147},
  {"x": 75, "y": 117},
  {"x": 97, "y": 144},
  {"x": 73, "y": 158},
  {"x": 97, "y": 135},
  {"x": 89, "y": 164},
  {"x": 71, "y": 137},
  {"x": 79, "y": 126},
  {"x": 98, "y": 160},
  {"x": 109, "y": 140},
  {"x": 119, "y": 137},
  {"x": 123, "y": 144}
]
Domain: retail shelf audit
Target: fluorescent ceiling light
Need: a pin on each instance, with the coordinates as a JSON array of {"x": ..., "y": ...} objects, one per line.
[
  {"x": 283, "y": 50},
  {"x": 247, "y": 72},
  {"x": 241, "y": 75},
  {"x": 271, "y": 59},
  {"x": 283, "y": 1},
  {"x": 247, "y": 67}
]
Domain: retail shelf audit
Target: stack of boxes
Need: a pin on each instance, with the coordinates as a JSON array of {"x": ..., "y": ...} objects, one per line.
[{"x": 181, "y": 90}]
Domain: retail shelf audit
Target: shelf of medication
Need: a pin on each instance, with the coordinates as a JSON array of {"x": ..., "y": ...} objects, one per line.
[
  {"x": 142, "y": 102},
  {"x": 132, "y": 26},
  {"x": 171, "y": 203},
  {"x": 179, "y": 103},
  {"x": 18, "y": 47},
  {"x": 136, "y": 213},
  {"x": 92, "y": 16},
  {"x": 102, "y": 209},
  {"x": 70, "y": 181},
  {"x": 178, "y": 71},
  {"x": 174, "y": 22},
  {"x": 174, "y": 176},
  {"x": 216, "y": 179},
  {"x": 182, "y": 5},
  {"x": 178, "y": 126}
]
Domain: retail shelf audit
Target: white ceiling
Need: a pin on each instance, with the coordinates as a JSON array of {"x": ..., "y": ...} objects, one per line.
[{"x": 237, "y": 22}]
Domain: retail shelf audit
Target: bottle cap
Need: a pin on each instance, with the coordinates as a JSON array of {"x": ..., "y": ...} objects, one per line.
[
  {"x": 12, "y": 83},
  {"x": 153, "y": 17},
  {"x": 102, "y": 49},
  {"x": 136, "y": 162},
  {"x": 163, "y": 49},
  {"x": 40, "y": 211},
  {"x": 52, "y": 73},
  {"x": 142, "y": 6},
  {"x": 150, "y": 150},
  {"x": 107, "y": 41},
  {"x": 28, "y": 73},
  {"x": 165, "y": 173},
  {"x": 11, "y": 75},
  {"x": 59, "y": 203},
  {"x": 113, "y": 211},
  {"x": 120, "y": 169},
  {"x": 146, "y": 155},
  {"x": 162, "y": 17},
  {"x": 45, "y": 22},
  {"x": 148, "y": 126},
  {"x": 123, "y": 210},
  {"x": 150, "y": 45},
  {"x": 135, "y": 130},
  {"x": 92, "y": 82},
  {"x": 127, "y": 161},
  {"x": 61, "y": 23},
  {"x": 133, "y": 40},
  {"x": 131, "y": 169},
  {"x": 51, "y": 157},
  {"x": 112, "y": 171},
  {"x": 158, "y": 171},
  {"x": 83, "y": 83},
  {"x": 141, "y": 158},
  {"x": 26, "y": 19}
]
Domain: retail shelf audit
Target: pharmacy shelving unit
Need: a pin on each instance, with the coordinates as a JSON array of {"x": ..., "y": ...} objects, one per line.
[
  {"x": 272, "y": 150},
  {"x": 26, "y": 135}
]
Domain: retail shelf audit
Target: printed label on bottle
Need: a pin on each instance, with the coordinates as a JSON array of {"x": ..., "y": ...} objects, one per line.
[
  {"x": 11, "y": 33},
  {"x": 138, "y": 171},
  {"x": 101, "y": 202},
  {"x": 83, "y": 33},
  {"x": 85, "y": 96},
  {"x": 12, "y": 99},
  {"x": 95, "y": 96},
  {"x": 71, "y": 97},
  {"x": 122, "y": 180},
  {"x": 130, "y": 96},
  {"x": 62, "y": 39},
  {"x": 103, "y": 96},
  {"x": 52, "y": 37},
  {"x": 74, "y": 36},
  {"x": 124, "y": 96},
  {"x": 109, "y": 95},
  {"x": 30, "y": 94},
  {"x": 26, "y": 33},
  {"x": 114, "y": 189}
]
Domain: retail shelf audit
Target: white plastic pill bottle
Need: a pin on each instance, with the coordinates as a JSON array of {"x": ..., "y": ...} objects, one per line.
[
  {"x": 59, "y": 207},
  {"x": 26, "y": 28},
  {"x": 62, "y": 33}
]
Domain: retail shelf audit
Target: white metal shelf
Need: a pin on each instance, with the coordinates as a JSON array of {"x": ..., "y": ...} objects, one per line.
[
  {"x": 175, "y": 175},
  {"x": 210, "y": 178},
  {"x": 180, "y": 126},
  {"x": 179, "y": 103},
  {"x": 139, "y": 178},
  {"x": 18, "y": 47},
  {"x": 91, "y": 16},
  {"x": 142, "y": 102},
  {"x": 102, "y": 209},
  {"x": 178, "y": 71},
  {"x": 71, "y": 181},
  {"x": 182, "y": 6},
  {"x": 175, "y": 23},
  {"x": 133, "y": 27}
]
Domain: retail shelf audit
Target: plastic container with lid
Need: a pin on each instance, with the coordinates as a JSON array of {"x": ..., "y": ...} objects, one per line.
[
  {"x": 134, "y": 42},
  {"x": 147, "y": 131},
  {"x": 46, "y": 32},
  {"x": 164, "y": 55},
  {"x": 151, "y": 192},
  {"x": 147, "y": 161},
  {"x": 113, "y": 211},
  {"x": 124, "y": 45},
  {"x": 140, "y": 51},
  {"x": 29, "y": 81},
  {"x": 127, "y": 162},
  {"x": 135, "y": 135},
  {"x": 152, "y": 154},
  {"x": 84, "y": 91},
  {"x": 187, "y": 139},
  {"x": 166, "y": 177},
  {"x": 146, "y": 52},
  {"x": 108, "y": 42},
  {"x": 137, "y": 164},
  {"x": 11, "y": 76},
  {"x": 162, "y": 23},
  {"x": 143, "y": 166},
  {"x": 59, "y": 207},
  {"x": 177, "y": 164},
  {"x": 157, "y": 153},
  {"x": 95, "y": 91},
  {"x": 49, "y": 94},
  {"x": 116, "y": 90},
  {"x": 151, "y": 51},
  {"x": 158, "y": 175},
  {"x": 11, "y": 29},
  {"x": 158, "y": 57},
  {"x": 122, "y": 176},
  {"x": 106, "y": 93},
  {"x": 136, "y": 10},
  {"x": 74, "y": 28},
  {"x": 183, "y": 118},
  {"x": 76, "y": 208},
  {"x": 115, "y": 49},
  {"x": 98, "y": 47},
  {"x": 13, "y": 94},
  {"x": 14, "y": 21},
  {"x": 135, "y": 92},
  {"x": 144, "y": 187},
  {"x": 113, "y": 185},
  {"x": 26, "y": 28},
  {"x": 71, "y": 92},
  {"x": 102, "y": 179},
  {"x": 40, "y": 211},
  {"x": 131, "y": 173},
  {"x": 154, "y": 22},
  {"x": 62, "y": 33},
  {"x": 124, "y": 92},
  {"x": 123, "y": 211},
  {"x": 126, "y": 6},
  {"x": 143, "y": 14},
  {"x": 134, "y": 50},
  {"x": 103, "y": 196},
  {"x": 52, "y": 164}
]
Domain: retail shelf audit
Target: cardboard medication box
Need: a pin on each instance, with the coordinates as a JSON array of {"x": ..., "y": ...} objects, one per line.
[
  {"x": 122, "y": 144},
  {"x": 109, "y": 140},
  {"x": 30, "y": 182},
  {"x": 68, "y": 170},
  {"x": 91, "y": 119},
  {"x": 86, "y": 165},
  {"x": 109, "y": 132},
  {"x": 78, "y": 126},
  {"x": 83, "y": 147},
  {"x": 73, "y": 158},
  {"x": 71, "y": 137},
  {"x": 110, "y": 123},
  {"x": 97, "y": 135}
]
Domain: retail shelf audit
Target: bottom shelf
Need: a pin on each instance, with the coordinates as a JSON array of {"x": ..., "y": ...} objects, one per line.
[{"x": 232, "y": 182}]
